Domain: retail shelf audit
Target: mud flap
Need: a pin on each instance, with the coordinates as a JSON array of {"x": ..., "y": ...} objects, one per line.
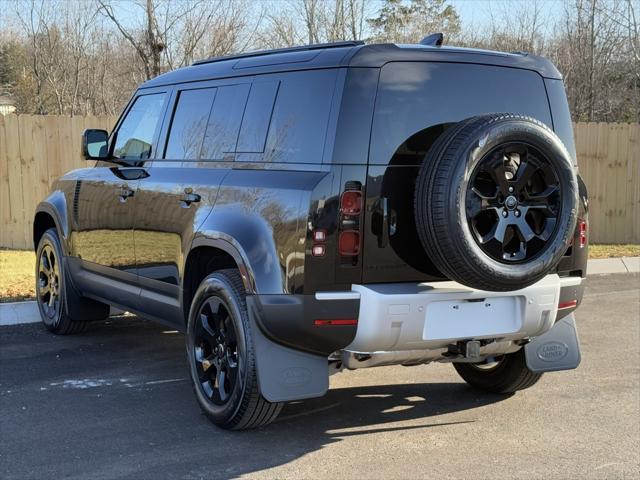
[
  {"x": 557, "y": 349},
  {"x": 285, "y": 374}
]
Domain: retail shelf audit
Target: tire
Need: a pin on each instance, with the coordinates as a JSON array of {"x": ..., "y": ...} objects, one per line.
[
  {"x": 53, "y": 290},
  {"x": 496, "y": 202},
  {"x": 219, "y": 318},
  {"x": 509, "y": 374}
]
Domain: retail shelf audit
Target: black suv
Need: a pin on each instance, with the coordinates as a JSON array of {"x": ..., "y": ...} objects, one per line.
[{"x": 302, "y": 211}]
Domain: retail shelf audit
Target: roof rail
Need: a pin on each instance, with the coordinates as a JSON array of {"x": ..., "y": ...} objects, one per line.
[{"x": 301, "y": 48}]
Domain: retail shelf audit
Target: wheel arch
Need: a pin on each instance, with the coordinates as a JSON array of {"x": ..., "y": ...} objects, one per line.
[
  {"x": 207, "y": 255},
  {"x": 51, "y": 213}
]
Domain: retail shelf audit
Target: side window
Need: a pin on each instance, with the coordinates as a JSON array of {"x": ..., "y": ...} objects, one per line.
[
  {"x": 189, "y": 124},
  {"x": 224, "y": 122},
  {"x": 257, "y": 116},
  {"x": 135, "y": 136},
  {"x": 300, "y": 117}
]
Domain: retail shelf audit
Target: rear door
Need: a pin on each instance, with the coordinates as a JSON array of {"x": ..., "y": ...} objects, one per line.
[
  {"x": 415, "y": 103},
  {"x": 200, "y": 132}
]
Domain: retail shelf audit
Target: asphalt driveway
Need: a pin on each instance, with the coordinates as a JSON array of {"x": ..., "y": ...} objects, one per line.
[{"x": 115, "y": 403}]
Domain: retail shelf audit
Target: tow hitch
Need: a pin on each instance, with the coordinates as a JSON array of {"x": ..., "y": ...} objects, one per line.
[{"x": 465, "y": 351}]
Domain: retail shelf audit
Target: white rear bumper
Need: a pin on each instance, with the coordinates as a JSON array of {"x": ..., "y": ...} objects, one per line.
[{"x": 429, "y": 316}]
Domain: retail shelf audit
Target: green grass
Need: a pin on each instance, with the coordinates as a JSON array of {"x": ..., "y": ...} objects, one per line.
[
  {"x": 614, "y": 250},
  {"x": 17, "y": 268},
  {"x": 17, "y": 275}
]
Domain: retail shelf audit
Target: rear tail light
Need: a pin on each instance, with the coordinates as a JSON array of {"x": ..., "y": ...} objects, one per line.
[
  {"x": 349, "y": 243},
  {"x": 351, "y": 202},
  {"x": 318, "y": 250},
  {"x": 582, "y": 233}
]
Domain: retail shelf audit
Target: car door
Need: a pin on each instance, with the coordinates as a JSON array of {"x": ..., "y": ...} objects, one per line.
[
  {"x": 105, "y": 203},
  {"x": 199, "y": 139}
]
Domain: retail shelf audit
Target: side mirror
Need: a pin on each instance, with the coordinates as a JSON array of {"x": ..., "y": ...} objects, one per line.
[{"x": 95, "y": 144}]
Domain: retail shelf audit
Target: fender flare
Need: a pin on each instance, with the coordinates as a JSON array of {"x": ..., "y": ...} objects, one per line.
[
  {"x": 55, "y": 206},
  {"x": 229, "y": 245}
]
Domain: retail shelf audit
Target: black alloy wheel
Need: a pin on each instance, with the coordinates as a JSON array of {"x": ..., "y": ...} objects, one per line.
[
  {"x": 496, "y": 202},
  {"x": 48, "y": 284},
  {"x": 54, "y": 295},
  {"x": 215, "y": 350},
  {"x": 513, "y": 202},
  {"x": 221, "y": 355}
]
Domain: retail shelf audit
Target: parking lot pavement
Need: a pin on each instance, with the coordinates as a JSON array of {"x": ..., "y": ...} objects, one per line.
[{"x": 115, "y": 403}]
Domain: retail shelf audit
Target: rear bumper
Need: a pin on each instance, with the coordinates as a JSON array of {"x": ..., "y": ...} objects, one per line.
[
  {"x": 429, "y": 316},
  {"x": 404, "y": 317}
]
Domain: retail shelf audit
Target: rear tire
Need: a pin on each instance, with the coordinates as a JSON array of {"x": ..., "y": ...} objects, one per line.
[
  {"x": 221, "y": 357},
  {"x": 508, "y": 375}
]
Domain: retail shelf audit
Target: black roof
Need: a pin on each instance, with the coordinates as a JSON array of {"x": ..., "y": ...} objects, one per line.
[{"x": 346, "y": 54}]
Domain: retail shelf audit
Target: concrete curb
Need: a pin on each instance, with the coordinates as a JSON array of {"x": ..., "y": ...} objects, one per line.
[
  {"x": 16, "y": 313},
  {"x": 613, "y": 265}
]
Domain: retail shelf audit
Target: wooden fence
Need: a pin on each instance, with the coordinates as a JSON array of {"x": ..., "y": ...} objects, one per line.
[
  {"x": 35, "y": 150},
  {"x": 609, "y": 162}
]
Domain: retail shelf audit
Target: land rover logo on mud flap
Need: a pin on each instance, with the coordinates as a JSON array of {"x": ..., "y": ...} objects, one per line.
[
  {"x": 552, "y": 351},
  {"x": 295, "y": 376}
]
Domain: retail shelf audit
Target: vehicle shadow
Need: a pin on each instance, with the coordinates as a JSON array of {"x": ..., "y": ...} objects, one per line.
[
  {"x": 156, "y": 406},
  {"x": 311, "y": 425}
]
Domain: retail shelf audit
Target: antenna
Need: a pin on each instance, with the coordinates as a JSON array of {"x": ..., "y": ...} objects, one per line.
[{"x": 433, "y": 40}]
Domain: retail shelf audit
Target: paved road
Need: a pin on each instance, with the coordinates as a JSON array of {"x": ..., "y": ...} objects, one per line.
[{"x": 115, "y": 403}]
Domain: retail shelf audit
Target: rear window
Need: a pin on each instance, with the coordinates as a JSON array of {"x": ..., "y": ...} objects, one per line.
[
  {"x": 189, "y": 124},
  {"x": 417, "y": 101}
]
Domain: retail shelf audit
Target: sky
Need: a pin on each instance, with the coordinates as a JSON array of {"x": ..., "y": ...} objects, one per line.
[
  {"x": 473, "y": 13},
  {"x": 478, "y": 12}
]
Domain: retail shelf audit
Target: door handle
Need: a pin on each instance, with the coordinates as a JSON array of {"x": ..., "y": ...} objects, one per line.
[
  {"x": 124, "y": 192},
  {"x": 188, "y": 197}
]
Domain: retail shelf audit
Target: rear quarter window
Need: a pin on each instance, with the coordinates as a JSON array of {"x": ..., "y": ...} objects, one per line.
[
  {"x": 417, "y": 100},
  {"x": 287, "y": 116}
]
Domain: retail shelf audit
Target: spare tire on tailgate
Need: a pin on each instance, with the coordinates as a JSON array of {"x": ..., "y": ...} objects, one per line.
[{"x": 496, "y": 201}]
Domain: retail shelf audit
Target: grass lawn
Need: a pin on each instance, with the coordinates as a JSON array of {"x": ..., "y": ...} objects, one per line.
[
  {"x": 613, "y": 251},
  {"x": 17, "y": 275},
  {"x": 17, "y": 269}
]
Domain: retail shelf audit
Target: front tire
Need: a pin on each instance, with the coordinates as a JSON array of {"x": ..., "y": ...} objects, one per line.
[
  {"x": 52, "y": 289},
  {"x": 507, "y": 374},
  {"x": 222, "y": 363}
]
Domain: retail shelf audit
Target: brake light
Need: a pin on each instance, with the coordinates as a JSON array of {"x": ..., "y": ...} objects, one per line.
[
  {"x": 349, "y": 243},
  {"x": 351, "y": 202},
  {"x": 582, "y": 233}
]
